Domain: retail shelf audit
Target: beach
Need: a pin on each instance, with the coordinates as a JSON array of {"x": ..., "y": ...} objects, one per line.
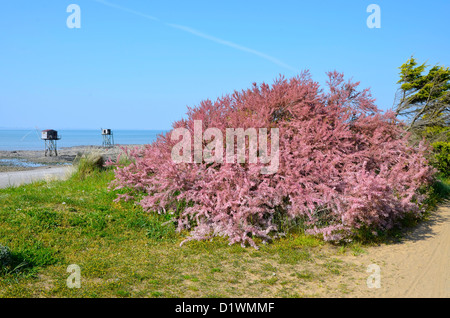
[{"x": 66, "y": 155}]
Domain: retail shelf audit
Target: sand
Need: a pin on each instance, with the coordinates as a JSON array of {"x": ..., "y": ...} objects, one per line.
[
  {"x": 416, "y": 267},
  {"x": 65, "y": 155}
]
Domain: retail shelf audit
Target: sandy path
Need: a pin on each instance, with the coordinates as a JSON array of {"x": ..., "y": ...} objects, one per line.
[
  {"x": 15, "y": 178},
  {"x": 419, "y": 266}
]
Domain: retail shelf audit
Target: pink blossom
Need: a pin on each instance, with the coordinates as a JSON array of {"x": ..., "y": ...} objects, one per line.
[{"x": 343, "y": 164}]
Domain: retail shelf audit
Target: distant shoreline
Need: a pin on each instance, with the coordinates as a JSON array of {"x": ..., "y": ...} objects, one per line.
[
  {"x": 66, "y": 156},
  {"x": 19, "y": 140}
]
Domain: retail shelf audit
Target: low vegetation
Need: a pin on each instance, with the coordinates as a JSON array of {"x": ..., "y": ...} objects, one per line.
[{"x": 125, "y": 252}]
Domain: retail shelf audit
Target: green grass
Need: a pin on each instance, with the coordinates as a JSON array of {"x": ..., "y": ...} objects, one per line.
[
  {"x": 441, "y": 189},
  {"x": 125, "y": 252}
]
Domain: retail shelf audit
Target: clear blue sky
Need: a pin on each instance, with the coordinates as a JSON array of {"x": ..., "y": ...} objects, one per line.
[{"x": 138, "y": 64}]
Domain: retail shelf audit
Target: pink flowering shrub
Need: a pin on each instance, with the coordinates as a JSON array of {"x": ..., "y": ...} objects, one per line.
[{"x": 343, "y": 165}]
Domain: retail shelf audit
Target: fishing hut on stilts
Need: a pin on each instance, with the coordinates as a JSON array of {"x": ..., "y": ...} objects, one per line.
[
  {"x": 108, "y": 138},
  {"x": 50, "y": 137}
]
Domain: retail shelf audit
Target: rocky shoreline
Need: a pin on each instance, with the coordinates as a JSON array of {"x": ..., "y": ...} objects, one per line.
[{"x": 20, "y": 160}]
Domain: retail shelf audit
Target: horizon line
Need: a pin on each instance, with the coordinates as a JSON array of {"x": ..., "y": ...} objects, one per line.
[{"x": 34, "y": 128}]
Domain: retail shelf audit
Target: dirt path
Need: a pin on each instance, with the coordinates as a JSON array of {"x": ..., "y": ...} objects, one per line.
[
  {"x": 15, "y": 178},
  {"x": 419, "y": 266}
]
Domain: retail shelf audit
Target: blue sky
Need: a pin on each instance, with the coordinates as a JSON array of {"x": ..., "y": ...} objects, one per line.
[{"x": 138, "y": 64}]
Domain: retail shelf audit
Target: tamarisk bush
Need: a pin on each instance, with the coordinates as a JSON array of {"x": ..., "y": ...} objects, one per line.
[{"x": 343, "y": 165}]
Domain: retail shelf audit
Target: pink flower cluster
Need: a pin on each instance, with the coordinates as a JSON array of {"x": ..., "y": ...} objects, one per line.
[{"x": 343, "y": 164}]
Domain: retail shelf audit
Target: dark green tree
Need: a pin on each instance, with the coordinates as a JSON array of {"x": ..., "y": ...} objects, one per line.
[{"x": 423, "y": 100}]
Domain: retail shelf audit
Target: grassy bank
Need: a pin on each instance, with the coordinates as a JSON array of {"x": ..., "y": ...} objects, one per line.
[{"x": 125, "y": 252}]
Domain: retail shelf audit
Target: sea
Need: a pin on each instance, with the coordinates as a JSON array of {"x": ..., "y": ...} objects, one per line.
[{"x": 30, "y": 139}]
